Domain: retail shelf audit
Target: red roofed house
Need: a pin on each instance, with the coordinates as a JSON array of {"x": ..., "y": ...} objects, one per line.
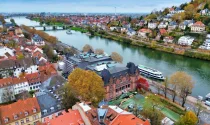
[
  {"x": 198, "y": 27},
  {"x": 6, "y": 90},
  {"x": 34, "y": 81},
  {"x": 143, "y": 32},
  {"x": 72, "y": 117},
  {"x": 107, "y": 115},
  {"x": 162, "y": 31},
  {"x": 21, "y": 112}
]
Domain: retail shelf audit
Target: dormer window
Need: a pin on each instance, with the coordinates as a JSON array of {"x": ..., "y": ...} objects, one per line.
[
  {"x": 26, "y": 113},
  {"x": 59, "y": 106},
  {"x": 34, "y": 110},
  {"x": 45, "y": 111},
  {"x": 6, "y": 120},
  {"x": 52, "y": 109},
  {"x": 15, "y": 117}
]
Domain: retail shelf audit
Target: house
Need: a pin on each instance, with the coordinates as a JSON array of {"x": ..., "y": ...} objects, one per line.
[
  {"x": 206, "y": 44},
  {"x": 186, "y": 40},
  {"x": 21, "y": 112},
  {"x": 72, "y": 117},
  {"x": 198, "y": 27},
  {"x": 20, "y": 85},
  {"x": 162, "y": 32},
  {"x": 107, "y": 115},
  {"x": 131, "y": 32},
  {"x": 49, "y": 105},
  {"x": 18, "y": 32},
  {"x": 205, "y": 12},
  {"x": 6, "y": 90},
  {"x": 172, "y": 26},
  {"x": 34, "y": 81},
  {"x": 144, "y": 32},
  {"x": 9, "y": 25},
  {"x": 37, "y": 40},
  {"x": 176, "y": 10},
  {"x": 163, "y": 24},
  {"x": 186, "y": 23},
  {"x": 168, "y": 39},
  {"x": 152, "y": 24}
]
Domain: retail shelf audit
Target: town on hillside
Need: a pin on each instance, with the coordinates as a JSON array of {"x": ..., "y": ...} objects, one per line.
[{"x": 44, "y": 81}]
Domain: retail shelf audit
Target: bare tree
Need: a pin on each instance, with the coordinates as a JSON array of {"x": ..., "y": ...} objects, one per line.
[
  {"x": 174, "y": 83},
  {"x": 99, "y": 51},
  {"x": 87, "y": 47},
  {"x": 165, "y": 83},
  {"x": 116, "y": 57}
]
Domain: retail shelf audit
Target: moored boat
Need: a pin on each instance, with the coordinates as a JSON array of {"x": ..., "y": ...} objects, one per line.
[
  {"x": 68, "y": 32},
  {"x": 151, "y": 73}
]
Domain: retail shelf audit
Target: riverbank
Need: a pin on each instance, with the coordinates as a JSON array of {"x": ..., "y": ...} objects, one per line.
[{"x": 193, "y": 53}]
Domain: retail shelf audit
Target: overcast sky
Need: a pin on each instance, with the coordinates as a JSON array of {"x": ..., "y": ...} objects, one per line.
[{"x": 85, "y": 6}]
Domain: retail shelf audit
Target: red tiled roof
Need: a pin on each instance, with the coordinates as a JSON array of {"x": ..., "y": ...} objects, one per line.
[
  {"x": 128, "y": 119},
  {"x": 162, "y": 31},
  {"x": 145, "y": 30},
  {"x": 6, "y": 82},
  {"x": 198, "y": 23},
  {"x": 73, "y": 117},
  {"x": 33, "y": 77},
  {"x": 19, "y": 108}
]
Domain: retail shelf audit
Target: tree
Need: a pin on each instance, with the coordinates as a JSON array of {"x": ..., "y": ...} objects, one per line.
[
  {"x": 2, "y": 19},
  {"x": 190, "y": 11},
  {"x": 99, "y": 51},
  {"x": 20, "y": 56},
  {"x": 87, "y": 47},
  {"x": 87, "y": 85},
  {"x": 7, "y": 95},
  {"x": 179, "y": 17},
  {"x": 188, "y": 119},
  {"x": 150, "y": 109},
  {"x": 174, "y": 83},
  {"x": 12, "y": 21},
  {"x": 116, "y": 57},
  {"x": 153, "y": 44},
  {"x": 185, "y": 85},
  {"x": 68, "y": 98},
  {"x": 165, "y": 83},
  {"x": 198, "y": 107},
  {"x": 12, "y": 44}
]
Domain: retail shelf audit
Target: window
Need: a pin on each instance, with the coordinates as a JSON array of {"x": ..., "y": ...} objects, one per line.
[
  {"x": 17, "y": 123},
  {"x": 6, "y": 120},
  {"x": 52, "y": 109},
  {"x": 27, "y": 119},
  {"x": 26, "y": 113},
  {"x": 34, "y": 110},
  {"x": 34, "y": 117},
  {"x": 22, "y": 122},
  {"x": 15, "y": 117}
]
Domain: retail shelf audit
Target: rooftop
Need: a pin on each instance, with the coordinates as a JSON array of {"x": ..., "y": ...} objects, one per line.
[{"x": 19, "y": 110}]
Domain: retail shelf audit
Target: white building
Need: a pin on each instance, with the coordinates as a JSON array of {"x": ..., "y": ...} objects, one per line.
[
  {"x": 198, "y": 27},
  {"x": 206, "y": 43},
  {"x": 6, "y": 52},
  {"x": 163, "y": 25},
  {"x": 37, "y": 40},
  {"x": 20, "y": 85},
  {"x": 152, "y": 25},
  {"x": 28, "y": 70},
  {"x": 185, "y": 40}
]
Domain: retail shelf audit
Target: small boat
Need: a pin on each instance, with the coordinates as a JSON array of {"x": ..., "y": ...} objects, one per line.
[
  {"x": 68, "y": 32},
  {"x": 151, "y": 73}
]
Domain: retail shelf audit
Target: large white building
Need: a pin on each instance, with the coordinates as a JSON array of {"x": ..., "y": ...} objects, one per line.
[
  {"x": 185, "y": 40},
  {"x": 20, "y": 85},
  {"x": 198, "y": 27},
  {"x": 152, "y": 24}
]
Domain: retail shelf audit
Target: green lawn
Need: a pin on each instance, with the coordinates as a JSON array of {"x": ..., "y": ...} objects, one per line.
[{"x": 79, "y": 29}]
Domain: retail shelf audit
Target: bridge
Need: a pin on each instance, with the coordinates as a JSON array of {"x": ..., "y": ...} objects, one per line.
[{"x": 51, "y": 27}]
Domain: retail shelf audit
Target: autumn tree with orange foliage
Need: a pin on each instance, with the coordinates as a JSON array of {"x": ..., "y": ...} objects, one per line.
[{"x": 87, "y": 85}]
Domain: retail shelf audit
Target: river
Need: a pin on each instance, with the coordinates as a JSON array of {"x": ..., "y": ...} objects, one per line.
[{"x": 164, "y": 62}]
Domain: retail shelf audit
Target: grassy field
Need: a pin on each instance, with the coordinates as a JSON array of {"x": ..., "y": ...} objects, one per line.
[{"x": 79, "y": 29}]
